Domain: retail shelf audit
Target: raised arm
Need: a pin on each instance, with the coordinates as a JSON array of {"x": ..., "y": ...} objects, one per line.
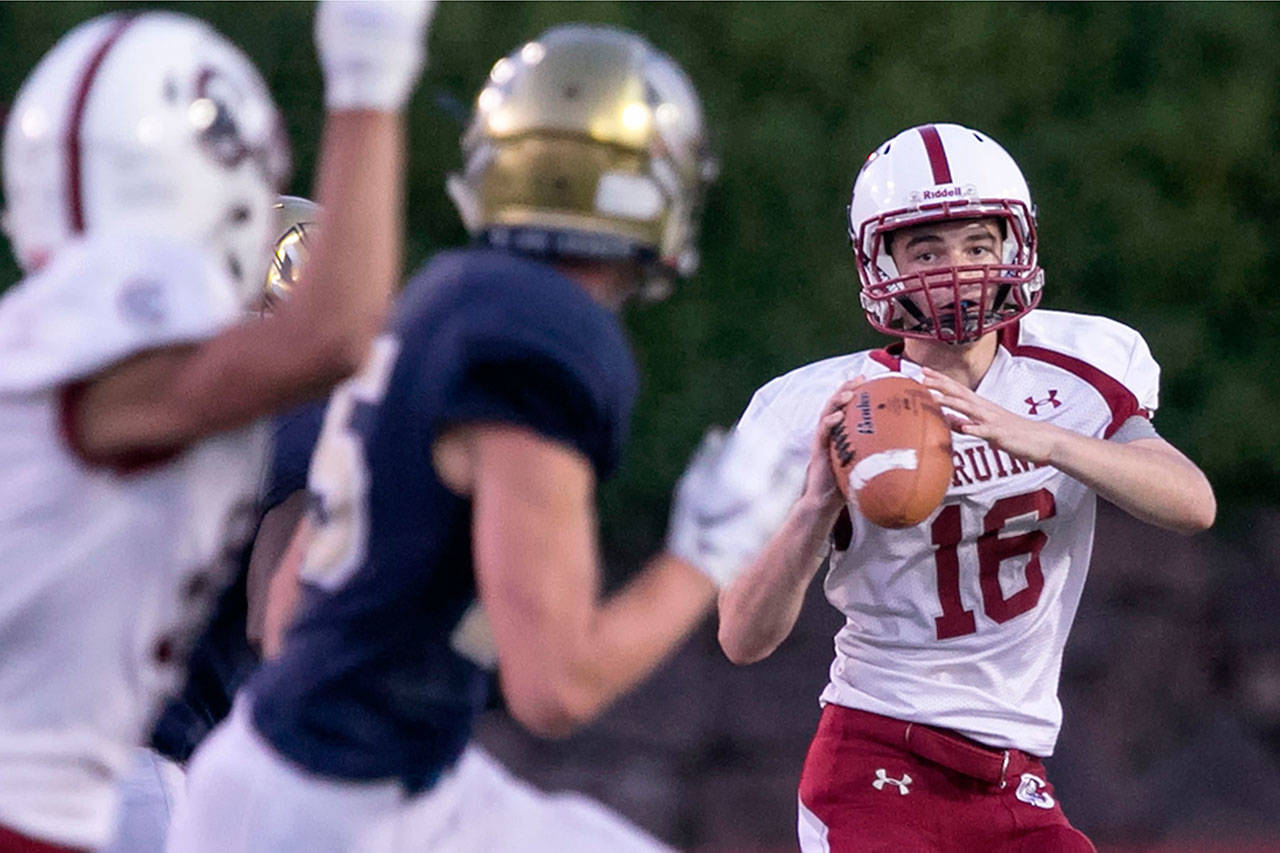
[{"x": 169, "y": 398}]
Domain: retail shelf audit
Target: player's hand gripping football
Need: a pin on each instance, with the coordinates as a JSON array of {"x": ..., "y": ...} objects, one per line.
[
  {"x": 820, "y": 486},
  {"x": 972, "y": 415},
  {"x": 730, "y": 501},
  {"x": 371, "y": 51}
]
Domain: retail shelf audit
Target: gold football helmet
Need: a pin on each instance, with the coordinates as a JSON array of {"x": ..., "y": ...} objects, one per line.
[
  {"x": 295, "y": 222},
  {"x": 588, "y": 143}
]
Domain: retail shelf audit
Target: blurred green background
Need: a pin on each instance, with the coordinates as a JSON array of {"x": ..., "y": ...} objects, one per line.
[{"x": 1148, "y": 134}]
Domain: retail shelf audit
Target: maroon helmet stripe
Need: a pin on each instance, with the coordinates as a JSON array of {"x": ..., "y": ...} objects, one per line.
[
  {"x": 937, "y": 154},
  {"x": 75, "y": 190}
]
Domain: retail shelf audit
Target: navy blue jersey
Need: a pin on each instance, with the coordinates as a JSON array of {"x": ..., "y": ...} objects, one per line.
[
  {"x": 294, "y": 433},
  {"x": 369, "y": 686},
  {"x": 222, "y": 658}
]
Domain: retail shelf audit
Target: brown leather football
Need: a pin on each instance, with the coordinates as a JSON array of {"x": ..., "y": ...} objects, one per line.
[{"x": 892, "y": 451}]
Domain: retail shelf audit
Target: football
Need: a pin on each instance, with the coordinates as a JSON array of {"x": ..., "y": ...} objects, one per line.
[{"x": 892, "y": 451}]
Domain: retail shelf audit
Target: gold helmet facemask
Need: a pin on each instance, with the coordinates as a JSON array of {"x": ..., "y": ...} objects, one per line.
[
  {"x": 295, "y": 223},
  {"x": 588, "y": 143}
]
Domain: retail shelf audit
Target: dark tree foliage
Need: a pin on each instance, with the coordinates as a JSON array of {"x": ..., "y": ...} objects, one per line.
[{"x": 1148, "y": 133}]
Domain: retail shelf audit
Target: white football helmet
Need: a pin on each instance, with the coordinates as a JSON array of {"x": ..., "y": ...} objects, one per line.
[
  {"x": 938, "y": 172},
  {"x": 145, "y": 124}
]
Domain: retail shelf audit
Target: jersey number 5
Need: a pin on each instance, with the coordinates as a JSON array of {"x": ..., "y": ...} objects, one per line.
[
  {"x": 339, "y": 476},
  {"x": 993, "y": 549}
]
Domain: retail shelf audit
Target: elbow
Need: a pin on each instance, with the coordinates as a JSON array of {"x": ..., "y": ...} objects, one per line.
[
  {"x": 1196, "y": 513},
  {"x": 740, "y": 644},
  {"x": 1201, "y": 514},
  {"x": 738, "y": 649},
  {"x": 545, "y": 721},
  {"x": 1202, "y": 509},
  {"x": 549, "y": 711}
]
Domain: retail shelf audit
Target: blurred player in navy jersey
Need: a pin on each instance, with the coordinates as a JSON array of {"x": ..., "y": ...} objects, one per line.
[
  {"x": 141, "y": 159},
  {"x": 454, "y": 524}
]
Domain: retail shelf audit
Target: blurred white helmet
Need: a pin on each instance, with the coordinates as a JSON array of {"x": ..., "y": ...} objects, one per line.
[
  {"x": 941, "y": 172},
  {"x": 145, "y": 124}
]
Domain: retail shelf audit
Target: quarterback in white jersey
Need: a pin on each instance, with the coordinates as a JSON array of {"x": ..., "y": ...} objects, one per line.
[
  {"x": 141, "y": 159},
  {"x": 944, "y": 683}
]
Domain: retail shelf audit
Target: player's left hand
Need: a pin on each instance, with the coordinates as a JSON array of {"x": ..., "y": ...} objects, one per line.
[
  {"x": 730, "y": 501},
  {"x": 973, "y": 415}
]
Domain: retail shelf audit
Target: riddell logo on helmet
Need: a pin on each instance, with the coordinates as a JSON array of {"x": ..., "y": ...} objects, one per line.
[{"x": 949, "y": 192}]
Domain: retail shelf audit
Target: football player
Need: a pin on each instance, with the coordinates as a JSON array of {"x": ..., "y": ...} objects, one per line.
[
  {"x": 296, "y": 434},
  {"x": 943, "y": 693},
  {"x": 141, "y": 159},
  {"x": 227, "y": 651},
  {"x": 454, "y": 526}
]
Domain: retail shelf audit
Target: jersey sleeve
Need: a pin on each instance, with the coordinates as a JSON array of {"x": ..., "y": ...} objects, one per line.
[
  {"x": 566, "y": 376},
  {"x": 99, "y": 302},
  {"x": 768, "y": 419},
  {"x": 787, "y": 408},
  {"x": 1142, "y": 377}
]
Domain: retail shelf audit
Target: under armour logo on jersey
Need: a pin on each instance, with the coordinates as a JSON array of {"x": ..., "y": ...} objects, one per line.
[
  {"x": 883, "y": 778},
  {"x": 1030, "y": 792},
  {"x": 1035, "y": 404}
]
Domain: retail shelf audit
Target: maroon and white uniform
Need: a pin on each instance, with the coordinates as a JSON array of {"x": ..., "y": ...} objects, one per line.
[
  {"x": 960, "y": 622},
  {"x": 108, "y": 569}
]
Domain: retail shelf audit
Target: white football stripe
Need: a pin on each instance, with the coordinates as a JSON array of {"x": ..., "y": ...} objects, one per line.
[{"x": 877, "y": 463}]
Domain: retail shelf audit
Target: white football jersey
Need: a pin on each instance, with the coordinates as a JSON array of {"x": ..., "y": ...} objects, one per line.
[
  {"x": 960, "y": 621},
  {"x": 107, "y": 575}
]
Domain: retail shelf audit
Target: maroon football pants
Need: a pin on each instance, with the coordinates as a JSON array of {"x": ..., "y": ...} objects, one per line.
[
  {"x": 873, "y": 783},
  {"x": 13, "y": 842}
]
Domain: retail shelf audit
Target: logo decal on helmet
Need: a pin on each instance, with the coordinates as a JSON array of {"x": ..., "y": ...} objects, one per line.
[{"x": 224, "y": 128}]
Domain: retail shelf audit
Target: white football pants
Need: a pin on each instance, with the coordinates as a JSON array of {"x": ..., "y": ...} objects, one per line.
[
  {"x": 148, "y": 797},
  {"x": 244, "y": 798}
]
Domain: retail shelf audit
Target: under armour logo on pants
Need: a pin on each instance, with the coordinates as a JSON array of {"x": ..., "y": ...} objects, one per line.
[{"x": 882, "y": 779}]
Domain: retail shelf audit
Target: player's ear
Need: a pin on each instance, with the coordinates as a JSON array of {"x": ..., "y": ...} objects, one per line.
[{"x": 453, "y": 457}]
